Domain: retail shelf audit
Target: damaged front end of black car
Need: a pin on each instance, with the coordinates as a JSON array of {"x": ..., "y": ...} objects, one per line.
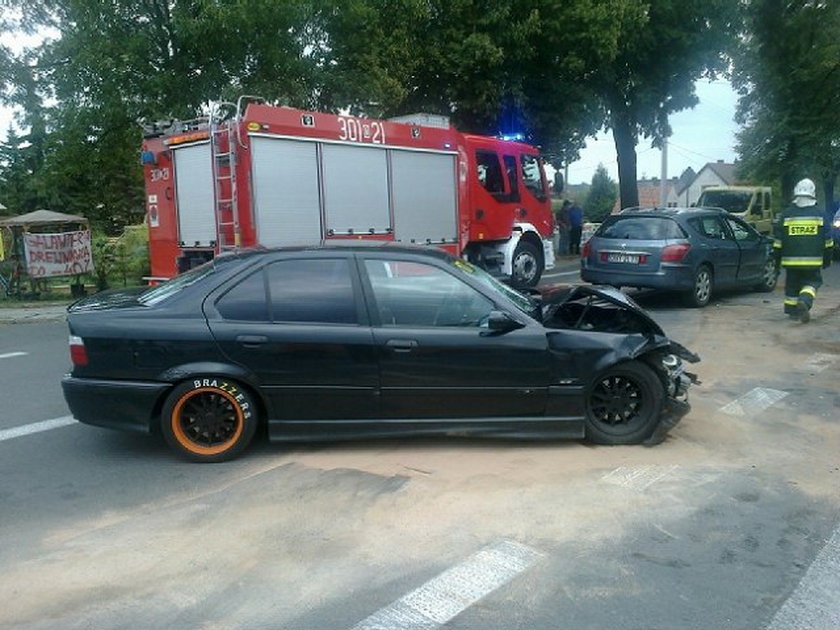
[{"x": 616, "y": 396}]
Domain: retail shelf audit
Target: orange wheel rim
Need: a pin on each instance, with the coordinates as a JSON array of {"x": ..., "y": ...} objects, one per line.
[{"x": 207, "y": 421}]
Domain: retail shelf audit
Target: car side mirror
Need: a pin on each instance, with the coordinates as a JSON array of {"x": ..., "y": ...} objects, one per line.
[{"x": 501, "y": 322}]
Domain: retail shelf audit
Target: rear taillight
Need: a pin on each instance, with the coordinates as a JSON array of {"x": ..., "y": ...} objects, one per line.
[
  {"x": 78, "y": 353},
  {"x": 674, "y": 253}
]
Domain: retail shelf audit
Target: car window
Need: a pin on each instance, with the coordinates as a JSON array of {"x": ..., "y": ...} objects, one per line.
[
  {"x": 180, "y": 282},
  {"x": 489, "y": 171},
  {"x": 640, "y": 228},
  {"x": 710, "y": 227},
  {"x": 246, "y": 300},
  {"x": 532, "y": 175},
  {"x": 513, "y": 184},
  {"x": 729, "y": 200},
  {"x": 418, "y": 294},
  {"x": 742, "y": 231},
  {"x": 312, "y": 290}
]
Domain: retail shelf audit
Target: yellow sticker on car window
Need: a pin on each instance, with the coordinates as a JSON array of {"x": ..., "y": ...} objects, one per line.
[{"x": 464, "y": 266}]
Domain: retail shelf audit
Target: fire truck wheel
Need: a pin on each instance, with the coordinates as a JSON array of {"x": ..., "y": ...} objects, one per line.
[
  {"x": 623, "y": 404},
  {"x": 526, "y": 265},
  {"x": 209, "y": 419}
]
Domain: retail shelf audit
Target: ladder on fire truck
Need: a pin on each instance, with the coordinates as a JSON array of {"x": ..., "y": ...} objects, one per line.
[{"x": 223, "y": 143}]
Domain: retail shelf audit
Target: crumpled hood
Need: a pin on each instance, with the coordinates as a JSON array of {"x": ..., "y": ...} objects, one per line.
[
  {"x": 556, "y": 295},
  {"x": 600, "y": 308}
]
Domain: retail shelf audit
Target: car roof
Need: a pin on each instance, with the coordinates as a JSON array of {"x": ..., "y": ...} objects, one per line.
[
  {"x": 342, "y": 246},
  {"x": 672, "y": 212}
]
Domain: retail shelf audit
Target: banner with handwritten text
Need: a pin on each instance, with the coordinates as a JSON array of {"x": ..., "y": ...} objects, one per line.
[{"x": 64, "y": 254}]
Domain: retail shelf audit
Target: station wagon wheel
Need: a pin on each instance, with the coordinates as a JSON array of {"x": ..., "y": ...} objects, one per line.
[
  {"x": 526, "y": 267},
  {"x": 768, "y": 277},
  {"x": 623, "y": 404},
  {"x": 209, "y": 419},
  {"x": 701, "y": 291}
]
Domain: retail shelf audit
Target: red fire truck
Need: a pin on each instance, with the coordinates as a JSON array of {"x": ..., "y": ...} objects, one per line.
[{"x": 255, "y": 174}]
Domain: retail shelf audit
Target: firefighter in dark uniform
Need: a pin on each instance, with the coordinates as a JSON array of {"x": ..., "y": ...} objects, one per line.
[{"x": 803, "y": 246}]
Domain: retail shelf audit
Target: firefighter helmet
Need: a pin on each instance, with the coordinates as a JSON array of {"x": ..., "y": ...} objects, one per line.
[{"x": 805, "y": 188}]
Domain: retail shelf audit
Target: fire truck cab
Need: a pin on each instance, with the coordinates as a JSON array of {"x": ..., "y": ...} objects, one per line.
[{"x": 278, "y": 176}]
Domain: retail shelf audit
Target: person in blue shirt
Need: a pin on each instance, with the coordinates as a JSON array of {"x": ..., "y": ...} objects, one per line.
[{"x": 575, "y": 214}]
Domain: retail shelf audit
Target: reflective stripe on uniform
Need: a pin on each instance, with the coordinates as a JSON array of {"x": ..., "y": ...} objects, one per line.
[
  {"x": 804, "y": 221},
  {"x": 802, "y": 261},
  {"x": 809, "y": 291},
  {"x": 791, "y": 301},
  {"x": 777, "y": 244}
]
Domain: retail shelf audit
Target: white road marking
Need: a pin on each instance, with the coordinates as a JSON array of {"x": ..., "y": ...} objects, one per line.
[
  {"x": 36, "y": 427},
  {"x": 820, "y": 361},
  {"x": 444, "y": 597},
  {"x": 9, "y": 355},
  {"x": 638, "y": 478},
  {"x": 814, "y": 604},
  {"x": 753, "y": 402}
]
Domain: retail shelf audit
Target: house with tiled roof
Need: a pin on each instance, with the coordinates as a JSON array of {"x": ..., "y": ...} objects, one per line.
[
  {"x": 650, "y": 193},
  {"x": 718, "y": 173},
  {"x": 685, "y": 189}
]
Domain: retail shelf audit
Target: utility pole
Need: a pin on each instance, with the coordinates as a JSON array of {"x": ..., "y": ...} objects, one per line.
[{"x": 663, "y": 178}]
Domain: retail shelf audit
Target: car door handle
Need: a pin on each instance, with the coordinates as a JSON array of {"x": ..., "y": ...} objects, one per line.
[
  {"x": 401, "y": 345},
  {"x": 252, "y": 341}
]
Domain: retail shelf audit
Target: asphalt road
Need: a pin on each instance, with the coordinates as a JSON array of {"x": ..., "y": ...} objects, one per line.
[{"x": 731, "y": 523}]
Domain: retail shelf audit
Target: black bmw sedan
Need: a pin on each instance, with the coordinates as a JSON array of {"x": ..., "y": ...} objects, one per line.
[{"x": 334, "y": 342}]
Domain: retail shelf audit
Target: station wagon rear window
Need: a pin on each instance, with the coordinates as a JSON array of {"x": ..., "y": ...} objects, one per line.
[{"x": 641, "y": 229}]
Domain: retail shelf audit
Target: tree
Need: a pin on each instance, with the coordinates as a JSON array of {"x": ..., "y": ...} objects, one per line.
[
  {"x": 115, "y": 63},
  {"x": 492, "y": 66},
  {"x": 788, "y": 75},
  {"x": 552, "y": 71},
  {"x": 602, "y": 196},
  {"x": 654, "y": 73}
]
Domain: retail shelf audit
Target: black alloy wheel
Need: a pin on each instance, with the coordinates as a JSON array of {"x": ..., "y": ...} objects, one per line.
[{"x": 623, "y": 404}]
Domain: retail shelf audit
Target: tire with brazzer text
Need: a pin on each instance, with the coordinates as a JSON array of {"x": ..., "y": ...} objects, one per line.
[{"x": 209, "y": 419}]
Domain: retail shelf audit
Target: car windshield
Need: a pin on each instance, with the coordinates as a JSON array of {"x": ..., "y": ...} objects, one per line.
[
  {"x": 157, "y": 294},
  {"x": 729, "y": 200},
  {"x": 640, "y": 228},
  {"x": 523, "y": 302}
]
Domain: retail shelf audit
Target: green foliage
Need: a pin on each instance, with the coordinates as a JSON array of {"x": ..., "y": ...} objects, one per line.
[
  {"x": 133, "y": 254},
  {"x": 602, "y": 196},
  {"x": 124, "y": 258},
  {"x": 788, "y": 74},
  {"x": 104, "y": 259},
  {"x": 554, "y": 71}
]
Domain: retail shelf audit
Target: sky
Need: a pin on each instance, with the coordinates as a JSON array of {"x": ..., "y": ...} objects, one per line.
[{"x": 703, "y": 134}]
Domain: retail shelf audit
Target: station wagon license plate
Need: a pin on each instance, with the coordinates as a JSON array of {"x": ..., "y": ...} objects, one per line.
[{"x": 632, "y": 259}]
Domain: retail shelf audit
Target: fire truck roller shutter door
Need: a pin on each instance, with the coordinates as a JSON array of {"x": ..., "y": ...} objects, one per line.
[
  {"x": 194, "y": 190},
  {"x": 287, "y": 207},
  {"x": 355, "y": 189},
  {"x": 425, "y": 197}
]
